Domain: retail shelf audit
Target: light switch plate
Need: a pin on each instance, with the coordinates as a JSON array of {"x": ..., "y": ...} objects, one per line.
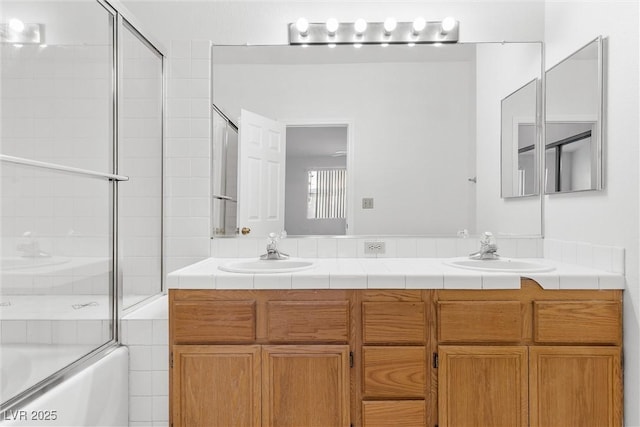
[{"x": 367, "y": 203}]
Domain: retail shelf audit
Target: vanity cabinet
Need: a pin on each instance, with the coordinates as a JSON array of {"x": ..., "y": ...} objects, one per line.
[
  {"x": 529, "y": 357},
  {"x": 395, "y": 354},
  {"x": 263, "y": 358},
  {"x": 395, "y": 357}
]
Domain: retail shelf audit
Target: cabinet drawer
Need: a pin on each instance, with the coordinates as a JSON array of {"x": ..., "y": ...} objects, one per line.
[
  {"x": 402, "y": 413},
  {"x": 308, "y": 321},
  {"x": 202, "y": 322},
  {"x": 479, "y": 321},
  {"x": 595, "y": 322},
  {"x": 393, "y": 322},
  {"x": 394, "y": 372}
]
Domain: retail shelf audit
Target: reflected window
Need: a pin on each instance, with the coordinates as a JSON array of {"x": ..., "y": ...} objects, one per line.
[{"x": 327, "y": 194}]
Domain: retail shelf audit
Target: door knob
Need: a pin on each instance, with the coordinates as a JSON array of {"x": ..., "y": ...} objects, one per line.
[{"x": 245, "y": 231}]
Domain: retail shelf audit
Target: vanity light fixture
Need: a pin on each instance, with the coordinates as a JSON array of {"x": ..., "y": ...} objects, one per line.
[
  {"x": 419, "y": 24},
  {"x": 15, "y": 31},
  {"x": 16, "y": 25},
  {"x": 360, "y": 26},
  {"x": 447, "y": 24},
  {"x": 302, "y": 25},
  {"x": 332, "y": 26},
  {"x": 390, "y": 24},
  {"x": 390, "y": 31}
]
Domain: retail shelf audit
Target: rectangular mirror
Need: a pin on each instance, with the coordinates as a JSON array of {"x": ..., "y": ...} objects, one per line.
[
  {"x": 519, "y": 137},
  {"x": 415, "y": 122},
  {"x": 574, "y": 134}
]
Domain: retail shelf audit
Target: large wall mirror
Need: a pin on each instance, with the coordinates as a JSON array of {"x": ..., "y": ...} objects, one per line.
[
  {"x": 367, "y": 141},
  {"x": 519, "y": 142},
  {"x": 574, "y": 121}
]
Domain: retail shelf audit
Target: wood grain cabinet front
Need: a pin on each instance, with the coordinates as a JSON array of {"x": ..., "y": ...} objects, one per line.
[
  {"x": 483, "y": 386},
  {"x": 216, "y": 386},
  {"x": 406, "y": 358},
  {"x": 575, "y": 386}
]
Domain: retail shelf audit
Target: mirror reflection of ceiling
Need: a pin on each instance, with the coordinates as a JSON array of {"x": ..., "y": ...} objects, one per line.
[{"x": 316, "y": 141}]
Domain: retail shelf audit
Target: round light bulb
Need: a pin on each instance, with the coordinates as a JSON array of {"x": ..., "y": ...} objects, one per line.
[
  {"x": 448, "y": 24},
  {"x": 390, "y": 24},
  {"x": 332, "y": 25},
  {"x": 302, "y": 25},
  {"x": 360, "y": 26},
  {"x": 16, "y": 25},
  {"x": 419, "y": 24}
]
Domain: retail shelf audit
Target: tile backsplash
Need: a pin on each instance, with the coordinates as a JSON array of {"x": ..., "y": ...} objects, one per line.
[
  {"x": 395, "y": 247},
  {"x": 607, "y": 258}
]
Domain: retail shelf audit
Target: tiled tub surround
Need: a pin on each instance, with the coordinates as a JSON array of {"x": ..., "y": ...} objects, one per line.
[
  {"x": 146, "y": 333},
  {"x": 390, "y": 273}
]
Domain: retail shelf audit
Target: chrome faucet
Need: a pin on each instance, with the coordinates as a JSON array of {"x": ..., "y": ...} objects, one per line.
[
  {"x": 32, "y": 248},
  {"x": 272, "y": 247},
  {"x": 488, "y": 248}
]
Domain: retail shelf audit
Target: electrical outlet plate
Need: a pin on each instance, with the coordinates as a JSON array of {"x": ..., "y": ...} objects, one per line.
[
  {"x": 367, "y": 203},
  {"x": 377, "y": 248}
]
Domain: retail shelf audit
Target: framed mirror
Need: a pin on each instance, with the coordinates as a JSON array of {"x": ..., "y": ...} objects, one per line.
[
  {"x": 519, "y": 142},
  {"x": 574, "y": 135},
  {"x": 397, "y": 140}
]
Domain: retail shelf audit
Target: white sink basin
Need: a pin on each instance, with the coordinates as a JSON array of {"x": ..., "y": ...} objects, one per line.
[
  {"x": 260, "y": 266},
  {"x": 504, "y": 265}
]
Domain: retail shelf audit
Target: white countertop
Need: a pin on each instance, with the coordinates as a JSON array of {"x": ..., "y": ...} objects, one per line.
[{"x": 388, "y": 273}]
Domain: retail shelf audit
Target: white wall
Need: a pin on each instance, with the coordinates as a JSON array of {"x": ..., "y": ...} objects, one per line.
[
  {"x": 265, "y": 22},
  {"x": 496, "y": 81},
  {"x": 609, "y": 217}
]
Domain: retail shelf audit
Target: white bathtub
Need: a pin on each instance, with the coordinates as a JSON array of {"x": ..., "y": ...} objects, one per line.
[{"x": 95, "y": 396}]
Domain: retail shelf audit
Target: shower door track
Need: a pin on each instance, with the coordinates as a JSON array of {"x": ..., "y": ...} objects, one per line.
[{"x": 62, "y": 168}]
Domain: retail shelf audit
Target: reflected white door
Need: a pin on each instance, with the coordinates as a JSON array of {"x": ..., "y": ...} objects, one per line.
[{"x": 261, "y": 174}]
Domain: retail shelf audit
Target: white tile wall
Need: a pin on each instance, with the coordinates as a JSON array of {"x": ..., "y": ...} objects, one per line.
[
  {"x": 146, "y": 333},
  {"x": 187, "y": 153},
  {"x": 353, "y": 247},
  {"x": 607, "y": 258},
  {"x": 187, "y": 217}
]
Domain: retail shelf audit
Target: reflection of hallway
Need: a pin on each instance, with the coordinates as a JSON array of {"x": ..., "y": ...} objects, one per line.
[{"x": 316, "y": 186}]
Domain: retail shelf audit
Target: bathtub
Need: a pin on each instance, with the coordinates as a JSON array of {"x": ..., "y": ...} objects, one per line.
[{"x": 94, "y": 396}]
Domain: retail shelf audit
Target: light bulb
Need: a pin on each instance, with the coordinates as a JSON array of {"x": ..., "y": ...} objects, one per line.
[
  {"x": 419, "y": 24},
  {"x": 357, "y": 45},
  {"x": 302, "y": 25},
  {"x": 384, "y": 44},
  {"x": 16, "y": 25},
  {"x": 331, "y": 45},
  {"x": 448, "y": 24},
  {"x": 332, "y": 26},
  {"x": 411, "y": 44},
  {"x": 390, "y": 24},
  {"x": 360, "y": 26}
]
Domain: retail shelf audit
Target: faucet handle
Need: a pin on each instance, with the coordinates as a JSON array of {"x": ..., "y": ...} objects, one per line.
[{"x": 487, "y": 237}]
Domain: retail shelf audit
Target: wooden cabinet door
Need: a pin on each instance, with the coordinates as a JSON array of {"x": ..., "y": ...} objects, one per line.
[
  {"x": 482, "y": 386},
  {"x": 575, "y": 386},
  {"x": 216, "y": 385},
  {"x": 305, "y": 386}
]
